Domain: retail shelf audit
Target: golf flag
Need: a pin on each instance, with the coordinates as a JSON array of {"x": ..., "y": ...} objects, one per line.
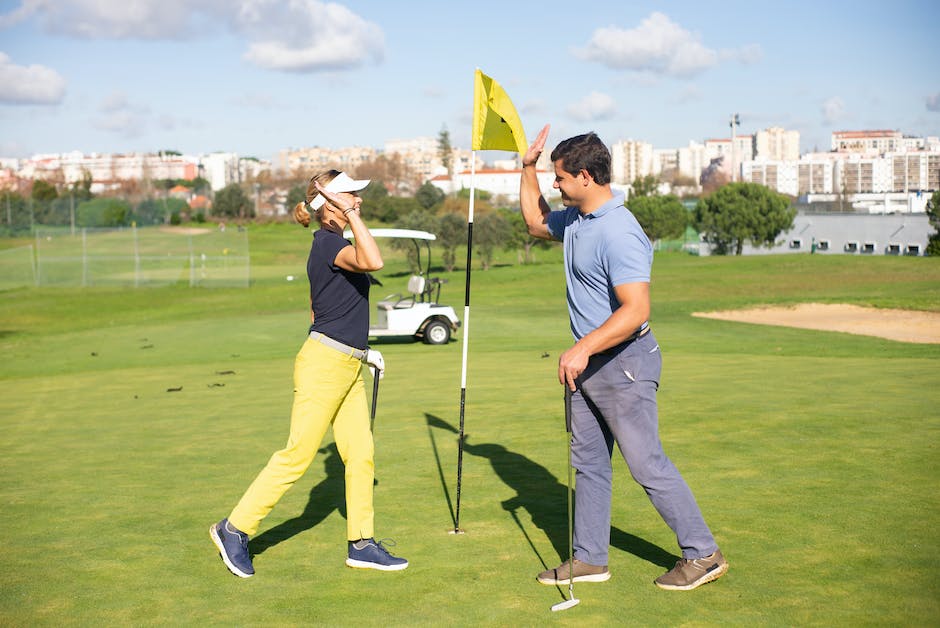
[{"x": 496, "y": 125}]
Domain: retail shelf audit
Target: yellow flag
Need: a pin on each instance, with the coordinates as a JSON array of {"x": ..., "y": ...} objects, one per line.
[{"x": 496, "y": 125}]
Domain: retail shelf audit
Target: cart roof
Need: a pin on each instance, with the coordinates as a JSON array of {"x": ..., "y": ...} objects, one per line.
[{"x": 411, "y": 234}]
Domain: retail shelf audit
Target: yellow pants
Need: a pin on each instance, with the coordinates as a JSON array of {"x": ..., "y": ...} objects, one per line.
[{"x": 328, "y": 389}]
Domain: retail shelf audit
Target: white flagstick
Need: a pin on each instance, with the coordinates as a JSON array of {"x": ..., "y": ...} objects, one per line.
[
  {"x": 572, "y": 600},
  {"x": 466, "y": 336}
]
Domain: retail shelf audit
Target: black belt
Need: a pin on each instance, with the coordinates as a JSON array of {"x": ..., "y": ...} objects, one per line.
[{"x": 617, "y": 348}]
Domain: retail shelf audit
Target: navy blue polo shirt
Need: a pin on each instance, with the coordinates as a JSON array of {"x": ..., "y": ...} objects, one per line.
[{"x": 340, "y": 298}]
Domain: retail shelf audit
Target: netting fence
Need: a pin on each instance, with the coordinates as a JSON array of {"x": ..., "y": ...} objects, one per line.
[{"x": 137, "y": 257}]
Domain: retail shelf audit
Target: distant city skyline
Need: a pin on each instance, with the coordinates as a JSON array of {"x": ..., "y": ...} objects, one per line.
[{"x": 257, "y": 77}]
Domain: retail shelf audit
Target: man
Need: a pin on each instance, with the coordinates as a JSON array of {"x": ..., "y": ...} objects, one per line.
[{"x": 614, "y": 366}]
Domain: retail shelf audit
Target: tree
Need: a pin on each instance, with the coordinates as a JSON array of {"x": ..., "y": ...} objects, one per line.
[
  {"x": 15, "y": 211},
  {"x": 103, "y": 212},
  {"x": 490, "y": 231},
  {"x": 662, "y": 217},
  {"x": 232, "y": 202},
  {"x": 418, "y": 220},
  {"x": 429, "y": 195},
  {"x": 444, "y": 149},
  {"x": 740, "y": 212},
  {"x": 159, "y": 211},
  {"x": 451, "y": 233},
  {"x": 297, "y": 194},
  {"x": 519, "y": 236},
  {"x": 43, "y": 192},
  {"x": 933, "y": 215},
  {"x": 44, "y": 208},
  {"x": 645, "y": 186},
  {"x": 390, "y": 169}
]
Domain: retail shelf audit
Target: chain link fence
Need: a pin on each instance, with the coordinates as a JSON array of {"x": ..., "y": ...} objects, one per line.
[{"x": 137, "y": 257}]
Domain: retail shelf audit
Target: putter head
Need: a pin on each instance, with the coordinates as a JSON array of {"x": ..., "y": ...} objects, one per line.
[{"x": 561, "y": 606}]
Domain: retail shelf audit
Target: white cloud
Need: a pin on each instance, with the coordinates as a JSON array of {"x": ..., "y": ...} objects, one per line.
[
  {"x": 833, "y": 110},
  {"x": 118, "y": 115},
  {"x": 117, "y": 101},
  {"x": 17, "y": 15},
  {"x": 594, "y": 106},
  {"x": 29, "y": 85},
  {"x": 747, "y": 55},
  {"x": 657, "y": 45},
  {"x": 307, "y": 35},
  {"x": 120, "y": 19},
  {"x": 690, "y": 94},
  {"x": 289, "y": 35},
  {"x": 933, "y": 102},
  {"x": 123, "y": 123}
]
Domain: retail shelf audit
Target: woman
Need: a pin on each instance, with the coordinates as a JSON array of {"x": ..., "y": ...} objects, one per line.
[{"x": 328, "y": 384}]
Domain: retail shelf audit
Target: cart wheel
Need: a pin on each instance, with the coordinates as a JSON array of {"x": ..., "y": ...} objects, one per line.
[{"x": 436, "y": 333}]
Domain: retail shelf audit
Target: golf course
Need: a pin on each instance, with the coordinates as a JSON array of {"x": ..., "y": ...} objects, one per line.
[{"x": 134, "y": 418}]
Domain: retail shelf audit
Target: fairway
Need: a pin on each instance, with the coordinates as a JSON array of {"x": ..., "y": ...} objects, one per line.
[{"x": 135, "y": 418}]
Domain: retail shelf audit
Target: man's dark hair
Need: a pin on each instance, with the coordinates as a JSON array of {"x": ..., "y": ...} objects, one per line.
[{"x": 584, "y": 152}]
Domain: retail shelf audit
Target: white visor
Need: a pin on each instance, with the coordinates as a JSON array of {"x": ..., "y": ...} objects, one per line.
[{"x": 340, "y": 183}]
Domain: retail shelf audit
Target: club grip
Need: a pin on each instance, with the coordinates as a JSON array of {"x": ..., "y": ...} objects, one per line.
[{"x": 567, "y": 409}]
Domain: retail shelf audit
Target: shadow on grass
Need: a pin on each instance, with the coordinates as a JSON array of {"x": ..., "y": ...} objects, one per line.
[
  {"x": 540, "y": 494},
  {"x": 325, "y": 496}
]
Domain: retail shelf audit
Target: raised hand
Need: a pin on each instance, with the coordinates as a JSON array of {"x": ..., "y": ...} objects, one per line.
[{"x": 536, "y": 147}]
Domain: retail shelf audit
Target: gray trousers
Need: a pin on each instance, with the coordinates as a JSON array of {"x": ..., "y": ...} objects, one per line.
[{"x": 616, "y": 402}]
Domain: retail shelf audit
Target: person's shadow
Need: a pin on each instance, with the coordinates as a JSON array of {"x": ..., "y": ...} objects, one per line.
[
  {"x": 540, "y": 494},
  {"x": 327, "y": 495}
]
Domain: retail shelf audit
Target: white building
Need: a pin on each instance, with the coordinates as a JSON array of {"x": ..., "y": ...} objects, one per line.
[
  {"x": 221, "y": 169},
  {"x": 631, "y": 160},
  {"x": 503, "y": 183},
  {"x": 734, "y": 153},
  {"x": 782, "y": 176},
  {"x": 867, "y": 142},
  {"x": 691, "y": 160},
  {"x": 107, "y": 171},
  {"x": 308, "y": 161},
  {"x": 777, "y": 144}
]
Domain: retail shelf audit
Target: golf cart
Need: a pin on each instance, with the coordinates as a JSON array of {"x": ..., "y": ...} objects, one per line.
[{"x": 415, "y": 313}]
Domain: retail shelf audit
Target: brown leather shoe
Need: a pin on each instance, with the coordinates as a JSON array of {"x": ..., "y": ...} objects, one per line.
[
  {"x": 691, "y": 573},
  {"x": 583, "y": 572}
]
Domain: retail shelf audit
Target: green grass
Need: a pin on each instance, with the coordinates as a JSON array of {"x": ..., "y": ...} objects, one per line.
[{"x": 813, "y": 455}]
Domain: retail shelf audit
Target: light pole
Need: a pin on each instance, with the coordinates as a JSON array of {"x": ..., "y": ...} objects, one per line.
[{"x": 735, "y": 122}]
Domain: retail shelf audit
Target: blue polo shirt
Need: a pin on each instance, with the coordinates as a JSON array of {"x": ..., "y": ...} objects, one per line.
[{"x": 603, "y": 249}]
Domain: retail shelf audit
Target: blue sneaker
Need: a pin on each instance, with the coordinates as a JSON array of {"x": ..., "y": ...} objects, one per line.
[
  {"x": 233, "y": 548},
  {"x": 367, "y": 554}
]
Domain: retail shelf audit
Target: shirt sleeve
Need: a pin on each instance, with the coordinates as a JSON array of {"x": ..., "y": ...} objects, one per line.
[
  {"x": 629, "y": 256},
  {"x": 556, "y": 223},
  {"x": 332, "y": 245}
]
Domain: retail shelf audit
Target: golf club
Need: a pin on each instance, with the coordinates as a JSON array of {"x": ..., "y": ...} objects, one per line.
[
  {"x": 572, "y": 600},
  {"x": 375, "y": 397}
]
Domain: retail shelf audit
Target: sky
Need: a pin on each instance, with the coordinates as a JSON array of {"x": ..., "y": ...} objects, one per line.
[{"x": 255, "y": 77}]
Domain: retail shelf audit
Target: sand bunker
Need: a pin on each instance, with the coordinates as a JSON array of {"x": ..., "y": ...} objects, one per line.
[
  {"x": 901, "y": 325},
  {"x": 185, "y": 230}
]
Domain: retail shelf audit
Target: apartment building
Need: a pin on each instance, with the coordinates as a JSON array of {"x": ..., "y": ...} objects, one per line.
[
  {"x": 315, "y": 159},
  {"x": 776, "y": 144},
  {"x": 107, "y": 170},
  {"x": 631, "y": 160},
  {"x": 867, "y": 142}
]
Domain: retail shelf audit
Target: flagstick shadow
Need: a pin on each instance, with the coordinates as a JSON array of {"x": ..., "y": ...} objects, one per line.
[
  {"x": 544, "y": 498},
  {"x": 537, "y": 490},
  {"x": 327, "y": 495},
  {"x": 433, "y": 421}
]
